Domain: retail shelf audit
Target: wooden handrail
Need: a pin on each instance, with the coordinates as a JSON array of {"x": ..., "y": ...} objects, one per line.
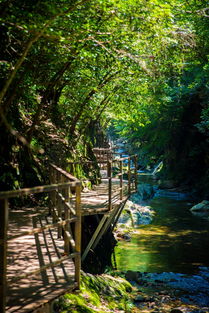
[
  {"x": 64, "y": 173},
  {"x": 41, "y": 229},
  {"x": 59, "y": 189},
  {"x": 34, "y": 190}
]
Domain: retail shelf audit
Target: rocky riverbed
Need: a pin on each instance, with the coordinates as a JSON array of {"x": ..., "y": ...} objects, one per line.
[{"x": 166, "y": 292}]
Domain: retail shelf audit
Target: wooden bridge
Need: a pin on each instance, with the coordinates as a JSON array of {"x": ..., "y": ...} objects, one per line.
[{"x": 40, "y": 247}]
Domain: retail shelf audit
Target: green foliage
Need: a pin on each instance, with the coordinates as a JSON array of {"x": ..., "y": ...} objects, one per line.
[{"x": 67, "y": 65}]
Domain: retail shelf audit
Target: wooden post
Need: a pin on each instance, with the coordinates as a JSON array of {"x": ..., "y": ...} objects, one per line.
[
  {"x": 67, "y": 225},
  {"x": 59, "y": 208},
  {"x": 78, "y": 233},
  {"x": 53, "y": 194},
  {"x": 129, "y": 175},
  {"x": 50, "y": 193},
  {"x": 99, "y": 158},
  {"x": 109, "y": 175},
  {"x": 3, "y": 252},
  {"x": 121, "y": 180},
  {"x": 135, "y": 171}
]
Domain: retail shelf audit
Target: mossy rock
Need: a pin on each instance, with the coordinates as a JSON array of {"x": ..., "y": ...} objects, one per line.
[{"x": 98, "y": 293}]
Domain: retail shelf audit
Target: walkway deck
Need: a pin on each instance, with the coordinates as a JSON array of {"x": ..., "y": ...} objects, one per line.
[
  {"x": 28, "y": 253},
  {"x": 96, "y": 201},
  {"x": 42, "y": 258}
]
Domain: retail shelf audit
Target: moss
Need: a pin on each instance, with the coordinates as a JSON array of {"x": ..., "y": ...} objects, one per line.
[{"x": 99, "y": 293}]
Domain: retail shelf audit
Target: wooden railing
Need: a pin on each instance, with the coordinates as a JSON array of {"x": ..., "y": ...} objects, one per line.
[
  {"x": 124, "y": 167},
  {"x": 126, "y": 170},
  {"x": 64, "y": 214},
  {"x": 64, "y": 194}
]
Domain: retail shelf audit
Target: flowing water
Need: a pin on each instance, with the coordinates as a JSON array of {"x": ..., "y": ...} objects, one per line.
[{"x": 175, "y": 241}]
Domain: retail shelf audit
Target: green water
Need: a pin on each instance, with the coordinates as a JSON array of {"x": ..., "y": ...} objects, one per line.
[{"x": 175, "y": 241}]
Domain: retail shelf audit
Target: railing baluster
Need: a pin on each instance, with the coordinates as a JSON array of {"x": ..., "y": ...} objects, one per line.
[
  {"x": 135, "y": 172},
  {"x": 78, "y": 233},
  {"x": 59, "y": 206},
  {"x": 67, "y": 225},
  {"x": 129, "y": 175},
  {"x": 121, "y": 180},
  {"x": 109, "y": 175}
]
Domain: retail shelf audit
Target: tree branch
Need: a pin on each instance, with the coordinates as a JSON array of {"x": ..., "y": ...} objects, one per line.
[{"x": 29, "y": 44}]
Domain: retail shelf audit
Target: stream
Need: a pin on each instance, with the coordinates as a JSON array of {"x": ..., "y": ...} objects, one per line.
[{"x": 175, "y": 241}]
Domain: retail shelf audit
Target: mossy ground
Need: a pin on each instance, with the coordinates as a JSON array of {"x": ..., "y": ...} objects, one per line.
[{"x": 98, "y": 293}]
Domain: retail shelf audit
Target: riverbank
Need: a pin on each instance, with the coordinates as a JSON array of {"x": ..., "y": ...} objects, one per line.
[
  {"x": 164, "y": 292},
  {"x": 128, "y": 292},
  {"x": 99, "y": 293}
]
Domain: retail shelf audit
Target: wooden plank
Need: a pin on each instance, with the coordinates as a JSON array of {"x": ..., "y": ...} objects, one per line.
[
  {"x": 3, "y": 251},
  {"x": 93, "y": 238},
  {"x": 43, "y": 268},
  {"x": 45, "y": 296}
]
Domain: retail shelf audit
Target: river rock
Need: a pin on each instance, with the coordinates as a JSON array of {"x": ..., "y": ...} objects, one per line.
[
  {"x": 133, "y": 276},
  {"x": 135, "y": 214},
  {"x": 145, "y": 191},
  {"x": 201, "y": 207}
]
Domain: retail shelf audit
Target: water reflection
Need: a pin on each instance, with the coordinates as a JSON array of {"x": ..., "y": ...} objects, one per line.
[{"x": 176, "y": 240}]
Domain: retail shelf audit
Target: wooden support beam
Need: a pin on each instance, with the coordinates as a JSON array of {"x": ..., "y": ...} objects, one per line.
[
  {"x": 3, "y": 252},
  {"x": 94, "y": 237},
  {"x": 119, "y": 213},
  {"x": 105, "y": 228}
]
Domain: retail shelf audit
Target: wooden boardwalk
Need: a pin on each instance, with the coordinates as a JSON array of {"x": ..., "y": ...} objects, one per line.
[
  {"x": 42, "y": 258},
  {"x": 96, "y": 201},
  {"x": 30, "y": 252}
]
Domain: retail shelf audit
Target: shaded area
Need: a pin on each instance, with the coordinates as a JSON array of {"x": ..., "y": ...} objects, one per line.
[{"x": 29, "y": 253}]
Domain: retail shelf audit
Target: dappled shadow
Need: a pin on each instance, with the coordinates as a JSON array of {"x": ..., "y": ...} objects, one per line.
[{"x": 29, "y": 253}]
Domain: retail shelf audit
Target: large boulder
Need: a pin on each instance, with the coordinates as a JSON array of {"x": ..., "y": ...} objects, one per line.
[
  {"x": 134, "y": 214},
  {"x": 144, "y": 192},
  {"x": 201, "y": 207}
]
